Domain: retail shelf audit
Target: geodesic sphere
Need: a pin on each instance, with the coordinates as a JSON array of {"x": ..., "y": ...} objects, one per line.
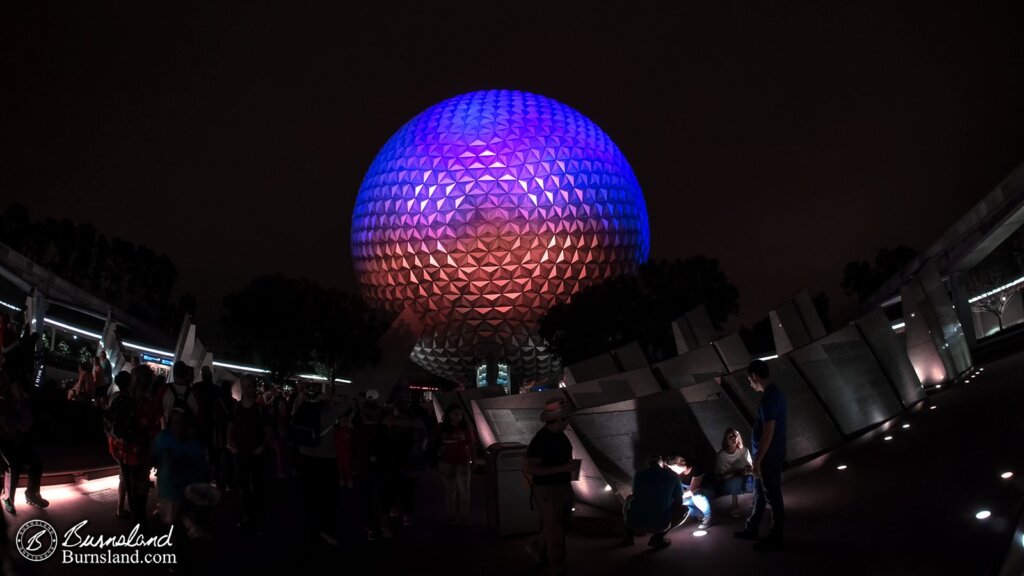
[{"x": 495, "y": 205}]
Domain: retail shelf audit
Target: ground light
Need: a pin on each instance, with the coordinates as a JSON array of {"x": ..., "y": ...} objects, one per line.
[
  {"x": 905, "y": 426},
  {"x": 573, "y": 508},
  {"x": 933, "y": 407},
  {"x": 607, "y": 488},
  {"x": 841, "y": 467},
  {"x": 700, "y": 533},
  {"x": 888, "y": 438},
  {"x": 1006, "y": 475},
  {"x": 983, "y": 515}
]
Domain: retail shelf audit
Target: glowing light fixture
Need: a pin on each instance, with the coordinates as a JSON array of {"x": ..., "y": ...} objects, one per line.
[
  {"x": 71, "y": 328},
  {"x": 147, "y": 349},
  {"x": 899, "y": 325},
  {"x": 607, "y": 488},
  {"x": 700, "y": 533},
  {"x": 983, "y": 515},
  {"x": 841, "y": 467},
  {"x": 11, "y": 306},
  {"x": 316, "y": 377},
  {"x": 887, "y": 438},
  {"x": 905, "y": 426},
  {"x": 932, "y": 407},
  {"x": 242, "y": 368},
  {"x": 996, "y": 290},
  {"x": 767, "y": 358},
  {"x": 1006, "y": 475}
]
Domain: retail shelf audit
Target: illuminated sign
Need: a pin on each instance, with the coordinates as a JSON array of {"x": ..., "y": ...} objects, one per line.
[{"x": 158, "y": 360}]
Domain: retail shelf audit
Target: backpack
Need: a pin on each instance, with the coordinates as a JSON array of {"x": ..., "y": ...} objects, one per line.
[
  {"x": 305, "y": 427},
  {"x": 181, "y": 402},
  {"x": 121, "y": 419}
]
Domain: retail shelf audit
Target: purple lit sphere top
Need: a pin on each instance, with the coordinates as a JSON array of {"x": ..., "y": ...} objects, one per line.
[{"x": 484, "y": 211}]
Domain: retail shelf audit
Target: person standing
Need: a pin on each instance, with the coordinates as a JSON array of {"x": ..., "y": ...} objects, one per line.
[
  {"x": 550, "y": 466},
  {"x": 768, "y": 441},
  {"x": 248, "y": 436},
  {"x": 455, "y": 441},
  {"x": 17, "y": 451}
]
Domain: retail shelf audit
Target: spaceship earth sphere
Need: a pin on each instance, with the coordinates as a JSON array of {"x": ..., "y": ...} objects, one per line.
[{"x": 484, "y": 211}]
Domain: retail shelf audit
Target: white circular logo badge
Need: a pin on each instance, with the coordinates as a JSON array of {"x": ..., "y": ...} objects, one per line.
[{"x": 36, "y": 540}]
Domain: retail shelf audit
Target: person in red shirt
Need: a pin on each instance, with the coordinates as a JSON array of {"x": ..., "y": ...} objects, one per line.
[{"x": 455, "y": 441}]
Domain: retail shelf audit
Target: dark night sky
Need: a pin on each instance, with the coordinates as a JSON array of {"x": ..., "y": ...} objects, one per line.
[{"x": 783, "y": 138}]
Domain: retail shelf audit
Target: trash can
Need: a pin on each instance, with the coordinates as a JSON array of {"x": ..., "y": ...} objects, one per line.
[{"x": 509, "y": 509}]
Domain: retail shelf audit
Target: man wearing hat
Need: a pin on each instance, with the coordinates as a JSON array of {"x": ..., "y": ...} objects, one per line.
[{"x": 550, "y": 465}]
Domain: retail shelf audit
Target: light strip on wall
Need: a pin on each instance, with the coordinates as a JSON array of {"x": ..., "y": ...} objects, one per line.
[
  {"x": 996, "y": 290},
  {"x": 899, "y": 325},
  {"x": 767, "y": 358},
  {"x": 242, "y": 368},
  {"x": 150, "y": 350},
  {"x": 11, "y": 306},
  {"x": 72, "y": 329},
  {"x": 315, "y": 377}
]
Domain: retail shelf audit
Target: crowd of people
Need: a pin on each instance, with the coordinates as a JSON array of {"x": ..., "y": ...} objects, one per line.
[{"x": 208, "y": 440}]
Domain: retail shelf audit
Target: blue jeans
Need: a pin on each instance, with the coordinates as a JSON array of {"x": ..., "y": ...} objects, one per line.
[
  {"x": 698, "y": 502},
  {"x": 768, "y": 491},
  {"x": 737, "y": 485}
]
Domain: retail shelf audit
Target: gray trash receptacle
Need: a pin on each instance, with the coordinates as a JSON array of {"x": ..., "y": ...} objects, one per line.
[{"x": 509, "y": 510}]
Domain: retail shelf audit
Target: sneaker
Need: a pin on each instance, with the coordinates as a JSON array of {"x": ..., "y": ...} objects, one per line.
[
  {"x": 705, "y": 522},
  {"x": 9, "y": 506},
  {"x": 745, "y": 535},
  {"x": 659, "y": 542}
]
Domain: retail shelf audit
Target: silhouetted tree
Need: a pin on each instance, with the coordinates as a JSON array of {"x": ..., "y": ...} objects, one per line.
[
  {"x": 758, "y": 338},
  {"x": 861, "y": 278},
  {"x": 291, "y": 324},
  {"x": 821, "y": 305},
  {"x": 639, "y": 307},
  {"x": 268, "y": 321},
  {"x": 1004, "y": 265},
  {"x": 131, "y": 277},
  {"x": 345, "y": 333}
]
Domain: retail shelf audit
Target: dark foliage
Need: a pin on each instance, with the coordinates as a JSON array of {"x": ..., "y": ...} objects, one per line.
[
  {"x": 639, "y": 307},
  {"x": 131, "y": 277}
]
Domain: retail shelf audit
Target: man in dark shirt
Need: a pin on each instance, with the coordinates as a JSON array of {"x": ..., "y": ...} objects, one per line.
[
  {"x": 768, "y": 445},
  {"x": 656, "y": 504},
  {"x": 697, "y": 492},
  {"x": 550, "y": 465}
]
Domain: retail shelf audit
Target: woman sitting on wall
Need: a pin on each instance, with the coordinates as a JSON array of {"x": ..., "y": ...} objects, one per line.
[{"x": 733, "y": 466}]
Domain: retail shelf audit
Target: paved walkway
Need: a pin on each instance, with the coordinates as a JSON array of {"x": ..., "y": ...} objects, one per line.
[{"x": 903, "y": 506}]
